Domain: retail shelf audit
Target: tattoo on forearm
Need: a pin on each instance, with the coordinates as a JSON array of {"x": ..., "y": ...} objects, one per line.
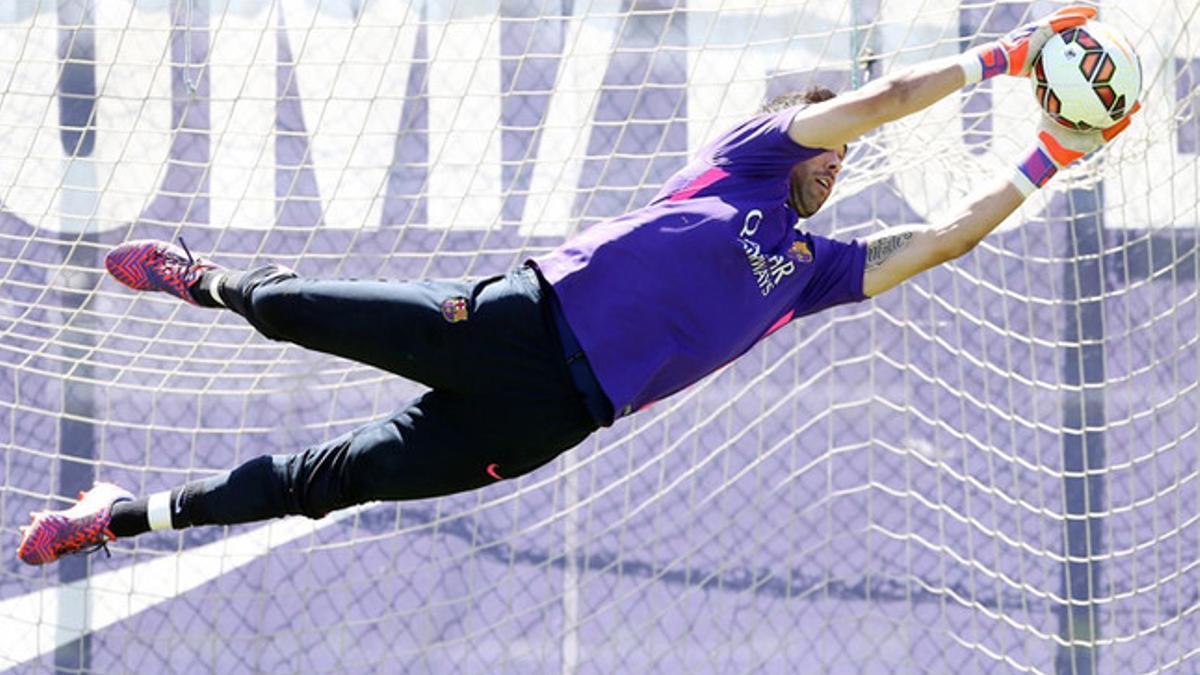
[{"x": 883, "y": 248}]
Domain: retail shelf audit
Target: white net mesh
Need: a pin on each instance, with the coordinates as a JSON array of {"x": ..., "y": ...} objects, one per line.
[{"x": 991, "y": 469}]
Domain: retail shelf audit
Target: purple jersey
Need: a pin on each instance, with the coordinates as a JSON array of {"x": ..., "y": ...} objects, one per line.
[{"x": 660, "y": 297}]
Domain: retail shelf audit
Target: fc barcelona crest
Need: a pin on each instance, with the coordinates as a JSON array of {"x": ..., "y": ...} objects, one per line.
[
  {"x": 454, "y": 309},
  {"x": 800, "y": 253}
]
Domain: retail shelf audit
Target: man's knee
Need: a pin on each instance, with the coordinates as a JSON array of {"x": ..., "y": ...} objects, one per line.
[
  {"x": 364, "y": 465},
  {"x": 379, "y": 464},
  {"x": 317, "y": 478},
  {"x": 392, "y": 460}
]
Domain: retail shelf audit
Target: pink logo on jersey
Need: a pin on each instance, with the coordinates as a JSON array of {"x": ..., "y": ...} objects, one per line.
[
  {"x": 454, "y": 309},
  {"x": 800, "y": 253}
]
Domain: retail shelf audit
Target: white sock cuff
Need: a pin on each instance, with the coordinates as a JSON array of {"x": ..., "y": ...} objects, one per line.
[
  {"x": 158, "y": 511},
  {"x": 214, "y": 287}
]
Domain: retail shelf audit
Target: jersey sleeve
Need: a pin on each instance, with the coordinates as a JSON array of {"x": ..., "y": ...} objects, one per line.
[
  {"x": 838, "y": 277},
  {"x": 760, "y": 146}
]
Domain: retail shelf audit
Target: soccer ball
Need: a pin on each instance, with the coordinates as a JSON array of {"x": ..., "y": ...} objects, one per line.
[{"x": 1087, "y": 77}]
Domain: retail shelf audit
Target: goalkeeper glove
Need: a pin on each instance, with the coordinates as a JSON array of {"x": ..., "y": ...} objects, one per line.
[
  {"x": 1057, "y": 147},
  {"x": 1014, "y": 53}
]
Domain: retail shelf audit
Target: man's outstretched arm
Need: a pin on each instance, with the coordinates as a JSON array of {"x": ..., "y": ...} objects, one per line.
[
  {"x": 846, "y": 117},
  {"x": 897, "y": 253},
  {"x": 840, "y": 120}
]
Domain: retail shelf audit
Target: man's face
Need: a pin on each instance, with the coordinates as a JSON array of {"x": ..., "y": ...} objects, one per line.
[{"x": 812, "y": 180}]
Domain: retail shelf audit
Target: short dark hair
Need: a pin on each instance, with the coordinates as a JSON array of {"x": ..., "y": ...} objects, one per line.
[{"x": 793, "y": 99}]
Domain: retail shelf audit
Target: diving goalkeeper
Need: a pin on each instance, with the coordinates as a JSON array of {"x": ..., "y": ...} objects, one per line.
[{"x": 524, "y": 366}]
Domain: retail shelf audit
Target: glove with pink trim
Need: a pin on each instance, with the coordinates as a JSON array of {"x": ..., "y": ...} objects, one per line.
[
  {"x": 1057, "y": 147},
  {"x": 1013, "y": 54}
]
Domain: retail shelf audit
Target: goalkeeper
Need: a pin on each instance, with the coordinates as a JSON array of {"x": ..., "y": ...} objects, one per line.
[{"x": 524, "y": 366}]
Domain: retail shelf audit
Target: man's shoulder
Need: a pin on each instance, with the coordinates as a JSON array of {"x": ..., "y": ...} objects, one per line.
[{"x": 759, "y": 145}]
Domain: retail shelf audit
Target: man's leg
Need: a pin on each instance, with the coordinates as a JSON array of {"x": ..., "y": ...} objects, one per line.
[
  {"x": 441, "y": 444},
  {"x": 427, "y": 331},
  {"x": 427, "y": 449},
  {"x": 415, "y": 329}
]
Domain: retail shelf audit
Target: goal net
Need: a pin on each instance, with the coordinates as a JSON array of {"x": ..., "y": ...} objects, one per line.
[{"x": 993, "y": 468}]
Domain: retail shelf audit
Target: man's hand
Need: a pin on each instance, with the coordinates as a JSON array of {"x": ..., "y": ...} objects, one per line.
[
  {"x": 1014, "y": 53},
  {"x": 1057, "y": 147}
]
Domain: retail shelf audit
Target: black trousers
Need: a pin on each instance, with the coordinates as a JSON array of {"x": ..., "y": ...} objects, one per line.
[{"x": 501, "y": 402}]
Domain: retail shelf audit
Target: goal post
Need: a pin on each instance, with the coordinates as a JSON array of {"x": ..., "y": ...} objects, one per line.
[{"x": 993, "y": 468}]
